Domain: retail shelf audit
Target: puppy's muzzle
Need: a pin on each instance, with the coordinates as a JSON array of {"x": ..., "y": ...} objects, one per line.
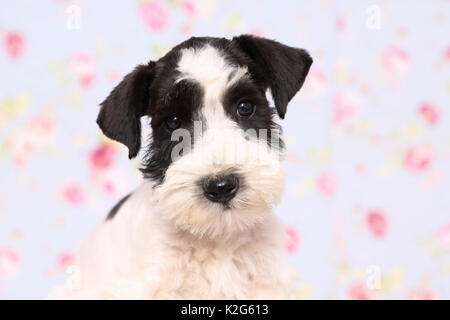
[{"x": 221, "y": 189}]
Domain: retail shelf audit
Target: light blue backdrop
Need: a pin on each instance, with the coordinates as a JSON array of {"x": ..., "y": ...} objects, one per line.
[{"x": 366, "y": 206}]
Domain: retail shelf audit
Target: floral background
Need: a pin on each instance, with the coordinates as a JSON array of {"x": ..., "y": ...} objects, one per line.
[{"x": 367, "y": 203}]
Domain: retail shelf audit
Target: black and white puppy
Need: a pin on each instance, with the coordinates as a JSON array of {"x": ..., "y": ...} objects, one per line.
[{"x": 201, "y": 224}]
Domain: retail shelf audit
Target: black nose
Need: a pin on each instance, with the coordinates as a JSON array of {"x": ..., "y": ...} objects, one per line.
[{"x": 221, "y": 189}]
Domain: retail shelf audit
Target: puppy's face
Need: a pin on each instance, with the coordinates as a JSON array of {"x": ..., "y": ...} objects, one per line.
[{"x": 215, "y": 149}]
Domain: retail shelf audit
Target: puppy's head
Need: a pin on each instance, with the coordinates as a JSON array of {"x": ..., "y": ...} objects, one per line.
[{"x": 215, "y": 148}]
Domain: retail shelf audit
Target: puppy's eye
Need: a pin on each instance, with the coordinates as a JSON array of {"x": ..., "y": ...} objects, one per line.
[
  {"x": 172, "y": 123},
  {"x": 245, "y": 108}
]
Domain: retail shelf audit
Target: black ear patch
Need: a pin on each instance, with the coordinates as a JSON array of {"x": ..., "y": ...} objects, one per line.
[
  {"x": 283, "y": 68},
  {"x": 120, "y": 113}
]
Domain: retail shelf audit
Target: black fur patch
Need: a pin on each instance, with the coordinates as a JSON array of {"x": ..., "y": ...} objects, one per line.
[
  {"x": 183, "y": 100},
  {"x": 119, "y": 117},
  {"x": 112, "y": 213},
  {"x": 262, "y": 118},
  {"x": 282, "y": 68}
]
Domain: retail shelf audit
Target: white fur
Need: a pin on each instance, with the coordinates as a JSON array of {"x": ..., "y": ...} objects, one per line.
[
  {"x": 169, "y": 241},
  {"x": 208, "y": 67},
  {"x": 141, "y": 255}
]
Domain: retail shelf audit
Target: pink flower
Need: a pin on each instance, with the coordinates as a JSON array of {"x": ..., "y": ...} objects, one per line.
[
  {"x": 447, "y": 54},
  {"x": 315, "y": 83},
  {"x": 21, "y": 145},
  {"x": 257, "y": 32},
  {"x": 189, "y": 7},
  {"x": 42, "y": 125},
  {"x": 36, "y": 134},
  {"x": 444, "y": 235},
  {"x": 65, "y": 260},
  {"x": 396, "y": 61},
  {"x": 377, "y": 223},
  {"x": 418, "y": 159},
  {"x": 113, "y": 181},
  {"x": 344, "y": 106},
  {"x": 82, "y": 67},
  {"x": 327, "y": 185},
  {"x": 74, "y": 194},
  {"x": 359, "y": 291},
  {"x": 155, "y": 15},
  {"x": 103, "y": 156},
  {"x": 341, "y": 23},
  {"x": 293, "y": 240},
  {"x": 15, "y": 44},
  {"x": 421, "y": 294},
  {"x": 9, "y": 263},
  {"x": 430, "y": 113}
]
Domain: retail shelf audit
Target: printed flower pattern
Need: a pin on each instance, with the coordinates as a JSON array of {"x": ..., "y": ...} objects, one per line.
[
  {"x": 14, "y": 44},
  {"x": 293, "y": 240},
  {"x": 156, "y": 16},
  {"x": 418, "y": 158},
  {"x": 396, "y": 61},
  {"x": 377, "y": 223},
  {"x": 82, "y": 67},
  {"x": 9, "y": 263},
  {"x": 366, "y": 205}
]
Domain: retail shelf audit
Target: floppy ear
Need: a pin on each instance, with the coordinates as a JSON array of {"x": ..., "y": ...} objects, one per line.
[
  {"x": 120, "y": 113},
  {"x": 283, "y": 68}
]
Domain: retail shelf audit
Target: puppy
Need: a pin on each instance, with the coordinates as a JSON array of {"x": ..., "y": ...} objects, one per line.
[{"x": 201, "y": 224}]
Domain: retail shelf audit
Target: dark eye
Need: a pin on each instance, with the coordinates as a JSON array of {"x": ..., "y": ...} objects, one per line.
[
  {"x": 172, "y": 123},
  {"x": 245, "y": 109}
]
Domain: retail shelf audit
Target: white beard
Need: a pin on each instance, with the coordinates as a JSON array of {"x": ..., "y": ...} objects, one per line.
[{"x": 141, "y": 254}]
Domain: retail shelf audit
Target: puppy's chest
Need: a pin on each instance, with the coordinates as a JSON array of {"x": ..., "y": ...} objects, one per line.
[{"x": 220, "y": 272}]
